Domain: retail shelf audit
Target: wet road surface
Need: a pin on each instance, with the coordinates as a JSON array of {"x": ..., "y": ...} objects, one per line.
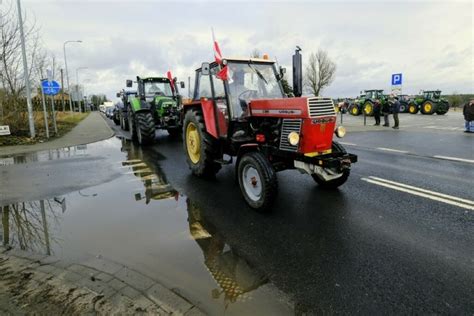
[{"x": 364, "y": 248}]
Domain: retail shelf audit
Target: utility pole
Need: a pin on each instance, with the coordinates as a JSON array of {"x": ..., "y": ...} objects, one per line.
[
  {"x": 26, "y": 74},
  {"x": 67, "y": 73}
]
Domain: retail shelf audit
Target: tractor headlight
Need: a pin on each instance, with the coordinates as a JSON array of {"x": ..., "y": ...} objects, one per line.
[
  {"x": 294, "y": 138},
  {"x": 340, "y": 131}
]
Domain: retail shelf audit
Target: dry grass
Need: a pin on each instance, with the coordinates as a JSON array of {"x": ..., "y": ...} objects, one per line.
[{"x": 66, "y": 121}]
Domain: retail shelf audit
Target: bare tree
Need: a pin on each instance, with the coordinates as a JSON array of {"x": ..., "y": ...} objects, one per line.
[
  {"x": 255, "y": 53},
  {"x": 320, "y": 72}
]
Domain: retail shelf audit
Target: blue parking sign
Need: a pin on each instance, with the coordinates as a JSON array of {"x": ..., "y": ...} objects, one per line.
[{"x": 396, "y": 79}]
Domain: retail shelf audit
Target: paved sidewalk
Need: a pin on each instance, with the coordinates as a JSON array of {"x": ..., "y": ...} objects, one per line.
[
  {"x": 92, "y": 129},
  {"x": 37, "y": 283}
]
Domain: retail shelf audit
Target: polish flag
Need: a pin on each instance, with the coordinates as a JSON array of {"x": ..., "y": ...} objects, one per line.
[
  {"x": 170, "y": 77},
  {"x": 217, "y": 50}
]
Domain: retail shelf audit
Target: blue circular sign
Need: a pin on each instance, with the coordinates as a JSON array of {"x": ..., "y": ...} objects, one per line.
[{"x": 50, "y": 87}]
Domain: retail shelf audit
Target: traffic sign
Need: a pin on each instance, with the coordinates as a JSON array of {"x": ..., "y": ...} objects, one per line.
[
  {"x": 50, "y": 87},
  {"x": 396, "y": 79}
]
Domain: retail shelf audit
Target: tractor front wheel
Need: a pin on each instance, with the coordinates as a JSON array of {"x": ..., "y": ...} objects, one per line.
[
  {"x": 131, "y": 125},
  {"x": 368, "y": 108},
  {"x": 200, "y": 147},
  {"x": 337, "y": 182},
  {"x": 412, "y": 108},
  {"x": 428, "y": 108},
  {"x": 145, "y": 128},
  {"x": 123, "y": 122},
  {"x": 258, "y": 181}
]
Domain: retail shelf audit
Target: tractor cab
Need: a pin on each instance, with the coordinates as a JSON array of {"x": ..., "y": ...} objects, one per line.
[
  {"x": 149, "y": 88},
  {"x": 432, "y": 95},
  {"x": 374, "y": 94},
  {"x": 248, "y": 79}
]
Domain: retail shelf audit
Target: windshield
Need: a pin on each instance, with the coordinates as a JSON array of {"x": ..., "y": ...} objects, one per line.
[
  {"x": 249, "y": 81},
  {"x": 158, "y": 88}
]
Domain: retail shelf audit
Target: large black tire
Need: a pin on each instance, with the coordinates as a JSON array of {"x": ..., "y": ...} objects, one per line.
[
  {"x": 116, "y": 120},
  {"x": 413, "y": 108},
  {"x": 368, "y": 108},
  {"x": 145, "y": 128},
  {"x": 123, "y": 123},
  {"x": 403, "y": 107},
  {"x": 200, "y": 147},
  {"x": 443, "y": 108},
  {"x": 354, "y": 110},
  {"x": 428, "y": 108},
  {"x": 335, "y": 183},
  {"x": 258, "y": 181},
  {"x": 131, "y": 125}
]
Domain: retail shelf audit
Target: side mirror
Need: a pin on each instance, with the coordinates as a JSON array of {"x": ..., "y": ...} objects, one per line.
[
  {"x": 181, "y": 84},
  {"x": 205, "y": 69},
  {"x": 129, "y": 83},
  {"x": 282, "y": 71},
  {"x": 118, "y": 95}
]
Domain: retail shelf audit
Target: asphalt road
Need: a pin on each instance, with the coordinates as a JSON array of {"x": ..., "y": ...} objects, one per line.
[{"x": 396, "y": 238}]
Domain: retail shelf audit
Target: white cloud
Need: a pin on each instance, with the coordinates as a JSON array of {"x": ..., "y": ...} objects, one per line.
[{"x": 430, "y": 42}]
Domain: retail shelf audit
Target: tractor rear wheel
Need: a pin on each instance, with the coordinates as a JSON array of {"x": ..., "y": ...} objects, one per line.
[
  {"x": 412, "y": 108},
  {"x": 131, "y": 125},
  {"x": 354, "y": 110},
  {"x": 145, "y": 128},
  {"x": 428, "y": 108},
  {"x": 257, "y": 180},
  {"x": 403, "y": 107},
  {"x": 123, "y": 123},
  {"x": 200, "y": 147},
  {"x": 337, "y": 182},
  {"x": 368, "y": 108}
]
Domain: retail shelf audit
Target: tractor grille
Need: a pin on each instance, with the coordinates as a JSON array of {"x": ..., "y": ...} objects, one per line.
[
  {"x": 288, "y": 126},
  {"x": 319, "y": 107}
]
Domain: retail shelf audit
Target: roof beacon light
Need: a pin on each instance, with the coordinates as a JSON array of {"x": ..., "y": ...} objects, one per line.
[{"x": 265, "y": 56}]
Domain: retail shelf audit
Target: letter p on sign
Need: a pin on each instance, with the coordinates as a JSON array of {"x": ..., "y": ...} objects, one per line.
[{"x": 396, "y": 79}]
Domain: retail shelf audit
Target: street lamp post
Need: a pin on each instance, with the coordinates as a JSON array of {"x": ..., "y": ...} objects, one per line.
[
  {"x": 77, "y": 88},
  {"x": 67, "y": 73},
  {"x": 26, "y": 73}
]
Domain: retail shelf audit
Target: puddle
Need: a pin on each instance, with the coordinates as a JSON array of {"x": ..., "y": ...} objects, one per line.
[{"x": 138, "y": 219}]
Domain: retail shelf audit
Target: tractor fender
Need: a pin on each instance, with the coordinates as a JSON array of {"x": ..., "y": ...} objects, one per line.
[{"x": 207, "y": 107}]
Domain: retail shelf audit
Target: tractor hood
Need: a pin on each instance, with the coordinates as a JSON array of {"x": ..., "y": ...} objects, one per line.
[
  {"x": 162, "y": 101},
  {"x": 303, "y": 107}
]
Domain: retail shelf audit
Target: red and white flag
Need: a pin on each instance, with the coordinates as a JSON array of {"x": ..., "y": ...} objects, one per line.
[
  {"x": 217, "y": 50},
  {"x": 170, "y": 77},
  {"x": 224, "y": 73}
]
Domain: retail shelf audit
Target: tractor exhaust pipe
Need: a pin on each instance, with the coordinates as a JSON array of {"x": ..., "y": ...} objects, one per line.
[{"x": 297, "y": 73}]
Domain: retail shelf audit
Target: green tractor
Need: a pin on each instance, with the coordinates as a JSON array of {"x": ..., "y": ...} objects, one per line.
[
  {"x": 157, "y": 105},
  {"x": 428, "y": 103},
  {"x": 365, "y": 103}
]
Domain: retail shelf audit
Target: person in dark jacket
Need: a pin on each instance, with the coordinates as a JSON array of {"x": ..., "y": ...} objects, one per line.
[
  {"x": 377, "y": 112},
  {"x": 395, "y": 111},
  {"x": 386, "y": 113},
  {"x": 468, "y": 112}
]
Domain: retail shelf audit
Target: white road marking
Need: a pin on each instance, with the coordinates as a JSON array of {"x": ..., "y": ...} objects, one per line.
[
  {"x": 454, "y": 158},
  {"x": 393, "y": 150},
  {"x": 444, "y": 128},
  {"x": 451, "y": 200},
  {"x": 346, "y": 143}
]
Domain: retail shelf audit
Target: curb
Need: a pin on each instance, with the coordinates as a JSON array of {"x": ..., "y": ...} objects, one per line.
[{"x": 105, "y": 286}]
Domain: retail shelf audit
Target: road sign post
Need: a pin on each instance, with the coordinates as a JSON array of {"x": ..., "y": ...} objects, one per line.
[
  {"x": 51, "y": 88},
  {"x": 45, "y": 112},
  {"x": 397, "y": 84}
]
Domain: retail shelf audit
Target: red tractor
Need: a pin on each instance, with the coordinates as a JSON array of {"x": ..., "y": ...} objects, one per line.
[{"x": 249, "y": 117}]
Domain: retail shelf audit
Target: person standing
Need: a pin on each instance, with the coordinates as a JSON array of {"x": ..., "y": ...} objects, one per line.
[
  {"x": 386, "y": 112},
  {"x": 468, "y": 112},
  {"x": 395, "y": 111},
  {"x": 377, "y": 112}
]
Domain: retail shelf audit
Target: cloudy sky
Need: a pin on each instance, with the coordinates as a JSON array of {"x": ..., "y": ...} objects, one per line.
[{"x": 430, "y": 42}]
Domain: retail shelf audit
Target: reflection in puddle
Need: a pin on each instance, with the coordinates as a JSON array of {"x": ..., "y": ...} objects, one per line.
[
  {"x": 106, "y": 220},
  {"x": 52, "y": 154},
  {"x": 234, "y": 276},
  {"x": 26, "y": 225}
]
